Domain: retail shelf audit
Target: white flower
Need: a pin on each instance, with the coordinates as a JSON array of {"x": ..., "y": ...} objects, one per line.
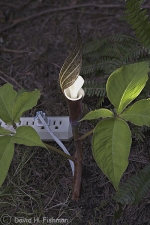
[{"x": 75, "y": 92}]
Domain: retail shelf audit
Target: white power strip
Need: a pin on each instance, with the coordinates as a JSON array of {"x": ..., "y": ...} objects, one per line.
[{"x": 60, "y": 126}]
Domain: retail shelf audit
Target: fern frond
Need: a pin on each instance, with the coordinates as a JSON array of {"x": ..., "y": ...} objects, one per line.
[
  {"x": 137, "y": 133},
  {"x": 94, "y": 88},
  {"x": 138, "y": 19},
  {"x": 100, "y": 101},
  {"x": 108, "y": 54},
  {"x": 102, "y": 43},
  {"x": 115, "y": 51},
  {"x": 143, "y": 185},
  {"x": 136, "y": 54},
  {"x": 93, "y": 45},
  {"x": 127, "y": 40},
  {"x": 105, "y": 64},
  {"x": 98, "y": 44},
  {"x": 135, "y": 188},
  {"x": 126, "y": 193},
  {"x": 145, "y": 129}
]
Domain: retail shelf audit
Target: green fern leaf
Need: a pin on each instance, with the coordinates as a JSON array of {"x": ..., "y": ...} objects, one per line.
[
  {"x": 135, "y": 188},
  {"x": 138, "y": 19},
  {"x": 107, "y": 54},
  {"x": 143, "y": 185},
  {"x": 136, "y": 54},
  {"x": 94, "y": 88},
  {"x": 93, "y": 46},
  {"x": 106, "y": 64}
]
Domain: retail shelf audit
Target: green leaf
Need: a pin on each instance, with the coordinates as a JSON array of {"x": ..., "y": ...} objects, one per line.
[
  {"x": 6, "y": 155},
  {"x": 126, "y": 83},
  {"x": 96, "y": 114},
  {"x": 111, "y": 146},
  {"x": 24, "y": 102},
  {"x": 7, "y": 98},
  {"x": 4, "y": 131},
  {"x": 138, "y": 113},
  {"x": 26, "y": 135}
]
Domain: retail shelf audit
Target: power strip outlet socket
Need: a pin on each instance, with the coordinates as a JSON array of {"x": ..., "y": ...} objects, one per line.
[{"x": 60, "y": 126}]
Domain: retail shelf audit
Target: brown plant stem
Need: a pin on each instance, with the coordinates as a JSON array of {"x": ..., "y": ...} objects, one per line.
[
  {"x": 75, "y": 111},
  {"x": 78, "y": 165}
]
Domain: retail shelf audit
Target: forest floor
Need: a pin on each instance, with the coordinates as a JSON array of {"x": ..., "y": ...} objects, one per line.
[{"x": 36, "y": 36}]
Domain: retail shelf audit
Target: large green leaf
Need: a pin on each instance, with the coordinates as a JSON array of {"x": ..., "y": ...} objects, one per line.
[
  {"x": 138, "y": 113},
  {"x": 96, "y": 114},
  {"x": 111, "y": 146},
  {"x": 26, "y": 135},
  {"x": 24, "y": 102},
  {"x": 6, "y": 155},
  {"x": 7, "y": 98},
  {"x": 126, "y": 83}
]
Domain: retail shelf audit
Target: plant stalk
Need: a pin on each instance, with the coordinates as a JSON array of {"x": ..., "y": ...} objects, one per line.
[
  {"x": 59, "y": 151},
  {"x": 78, "y": 165},
  {"x": 86, "y": 135},
  {"x": 75, "y": 110}
]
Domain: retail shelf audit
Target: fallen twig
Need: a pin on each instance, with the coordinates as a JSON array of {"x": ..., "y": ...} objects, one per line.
[
  {"x": 13, "y": 51},
  {"x": 3, "y": 79},
  {"x": 9, "y": 5},
  {"x": 134, "y": 159},
  {"x": 64, "y": 9},
  {"x": 20, "y": 7},
  {"x": 58, "y": 10},
  {"x": 8, "y": 77},
  {"x": 25, "y": 5}
]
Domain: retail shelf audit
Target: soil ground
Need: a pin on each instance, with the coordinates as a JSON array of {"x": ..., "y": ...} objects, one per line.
[{"x": 36, "y": 36}]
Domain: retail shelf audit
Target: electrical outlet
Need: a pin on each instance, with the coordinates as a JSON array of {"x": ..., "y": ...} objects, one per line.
[{"x": 60, "y": 126}]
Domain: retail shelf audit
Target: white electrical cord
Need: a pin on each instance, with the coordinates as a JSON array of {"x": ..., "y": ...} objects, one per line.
[{"x": 39, "y": 115}]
